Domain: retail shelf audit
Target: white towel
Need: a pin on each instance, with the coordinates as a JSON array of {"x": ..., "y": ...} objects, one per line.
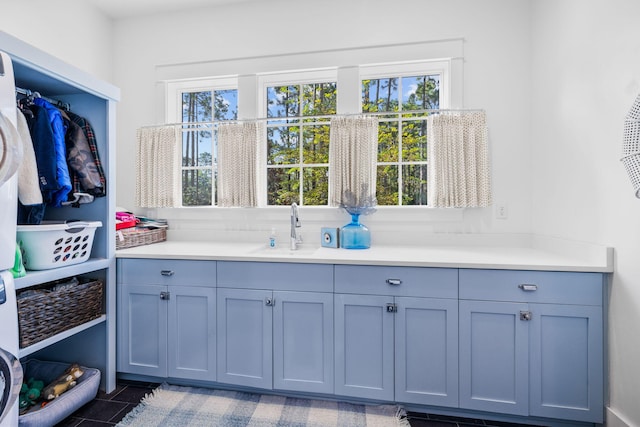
[
  {"x": 158, "y": 167},
  {"x": 28, "y": 186}
]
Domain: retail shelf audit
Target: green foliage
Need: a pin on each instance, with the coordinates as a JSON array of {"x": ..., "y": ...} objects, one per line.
[{"x": 298, "y": 149}]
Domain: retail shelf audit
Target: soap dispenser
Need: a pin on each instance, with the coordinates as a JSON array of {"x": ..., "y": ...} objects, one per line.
[{"x": 272, "y": 238}]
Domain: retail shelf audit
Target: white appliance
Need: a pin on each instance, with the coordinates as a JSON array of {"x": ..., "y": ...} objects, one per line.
[{"x": 10, "y": 368}]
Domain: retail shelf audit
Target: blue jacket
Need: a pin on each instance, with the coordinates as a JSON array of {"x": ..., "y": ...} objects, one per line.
[{"x": 62, "y": 170}]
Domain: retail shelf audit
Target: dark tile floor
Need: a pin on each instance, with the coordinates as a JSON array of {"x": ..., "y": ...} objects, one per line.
[
  {"x": 430, "y": 420},
  {"x": 106, "y": 410}
]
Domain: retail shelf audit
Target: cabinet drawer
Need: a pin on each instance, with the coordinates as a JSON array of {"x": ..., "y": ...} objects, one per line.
[
  {"x": 278, "y": 276},
  {"x": 166, "y": 272},
  {"x": 531, "y": 286},
  {"x": 397, "y": 281}
]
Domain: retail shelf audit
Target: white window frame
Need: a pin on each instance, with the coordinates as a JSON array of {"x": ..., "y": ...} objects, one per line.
[
  {"x": 174, "y": 115},
  {"x": 408, "y": 69},
  {"x": 258, "y": 83},
  {"x": 288, "y": 78}
]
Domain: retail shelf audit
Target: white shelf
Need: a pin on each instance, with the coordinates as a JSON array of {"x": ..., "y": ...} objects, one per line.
[
  {"x": 38, "y": 277},
  {"x": 59, "y": 337}
]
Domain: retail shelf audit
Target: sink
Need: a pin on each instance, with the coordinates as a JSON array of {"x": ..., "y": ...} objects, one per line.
[{"x": 303, "y": 250}]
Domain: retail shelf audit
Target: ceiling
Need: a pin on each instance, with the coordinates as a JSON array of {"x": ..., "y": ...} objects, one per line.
[{"x": 127, "y": 8}]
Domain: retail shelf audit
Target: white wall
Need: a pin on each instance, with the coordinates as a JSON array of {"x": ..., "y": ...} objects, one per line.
[
  {"x": 586, "y": 76},
  {"x": 497, "y": 72},
  {"x": 74, "y": 32},
  {"x": 555, "y": 77}
]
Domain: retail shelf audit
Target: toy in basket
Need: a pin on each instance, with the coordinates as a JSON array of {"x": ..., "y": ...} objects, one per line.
[{"x": 53, "y": 244}]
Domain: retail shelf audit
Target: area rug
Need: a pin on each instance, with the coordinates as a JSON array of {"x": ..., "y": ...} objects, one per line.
[{"x": 176, "y": 406}]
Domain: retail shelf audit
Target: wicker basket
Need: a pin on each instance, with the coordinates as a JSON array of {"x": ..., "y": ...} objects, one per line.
[
  {"x": 45, "y": 313},
  {"x": 130, "y": 237}
]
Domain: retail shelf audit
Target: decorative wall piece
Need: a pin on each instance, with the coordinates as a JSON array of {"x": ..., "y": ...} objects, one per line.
[{"x": 631, "y": 145}]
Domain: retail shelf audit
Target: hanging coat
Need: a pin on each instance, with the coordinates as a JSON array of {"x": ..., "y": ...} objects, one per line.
[
  {"x": 94, "y": 162},
  {"x": 62, "y": 170}
]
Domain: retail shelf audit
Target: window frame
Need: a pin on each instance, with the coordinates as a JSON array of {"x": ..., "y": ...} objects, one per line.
[
  {"x": 400, "y": 70},
  {"x": 289, "y": 78},
  {"x": 257, "y": 83},
  {"x": 175, "y": 91}
]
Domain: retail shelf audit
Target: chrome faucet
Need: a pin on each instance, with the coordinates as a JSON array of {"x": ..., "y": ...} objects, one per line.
[{"x": 296, "y": 238}]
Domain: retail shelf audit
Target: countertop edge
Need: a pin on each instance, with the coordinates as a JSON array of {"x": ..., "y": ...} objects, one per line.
[{"x": 501, "y": 258}]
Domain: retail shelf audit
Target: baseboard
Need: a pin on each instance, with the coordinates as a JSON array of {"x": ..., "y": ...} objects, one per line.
[{"x": 615, "y": 420}]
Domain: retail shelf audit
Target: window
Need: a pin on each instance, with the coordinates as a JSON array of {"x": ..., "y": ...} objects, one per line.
[
  {"x": 298, "y": 107},
  {"x": 198, "y": 108},
  {"x": 402, "y": 140},
  {"x": 298, "y": 149}
]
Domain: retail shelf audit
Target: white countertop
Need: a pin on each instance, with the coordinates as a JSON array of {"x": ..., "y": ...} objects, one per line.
[{"x": 542, "y": 255}]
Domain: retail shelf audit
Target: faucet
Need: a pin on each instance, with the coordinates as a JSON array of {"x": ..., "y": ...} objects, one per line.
[{"x": 296, "y": 238}]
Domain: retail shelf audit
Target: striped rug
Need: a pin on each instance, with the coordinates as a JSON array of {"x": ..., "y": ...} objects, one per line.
[{"x": 175, "y": 406}]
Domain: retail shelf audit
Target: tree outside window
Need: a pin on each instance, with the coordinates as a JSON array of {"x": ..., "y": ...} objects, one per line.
[
  {"x": 199, "y": 146},
  {"x": 298, "y": 147},
  {"x": 402, "y": 134}
]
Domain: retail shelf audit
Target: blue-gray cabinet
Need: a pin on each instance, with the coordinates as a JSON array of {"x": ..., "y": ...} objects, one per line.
[
  {"x": 508, "y": 342},
  {"x": 245, "y": 327},
  {"x": 396, "y": 334},
  {"x": 531, "y": 343},
  {"x": 166, "y": 326},
  {"x": 364, "y": 346},
  {"x": 275, "y": 325}
]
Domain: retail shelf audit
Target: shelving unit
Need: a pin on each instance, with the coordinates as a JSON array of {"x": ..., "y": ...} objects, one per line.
[{"x": 91, "y": 344}]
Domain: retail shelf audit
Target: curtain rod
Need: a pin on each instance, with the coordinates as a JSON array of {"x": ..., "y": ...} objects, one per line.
[
  {"x": 55, "y": 102},
  {"x": 326, "y": 116}
]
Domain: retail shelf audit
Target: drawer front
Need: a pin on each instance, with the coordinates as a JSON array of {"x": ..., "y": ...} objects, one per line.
[
  {"x": 531, "y": 286},
  {"x": 166, "y": 272},
  {"x": 278, "y": 276},
  {"x": 397, "y": 281}
]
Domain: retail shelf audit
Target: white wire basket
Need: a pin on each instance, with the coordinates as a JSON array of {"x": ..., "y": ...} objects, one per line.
[
  {"x": 631, "y": 145},
  {"x": 56, "y": 244}
]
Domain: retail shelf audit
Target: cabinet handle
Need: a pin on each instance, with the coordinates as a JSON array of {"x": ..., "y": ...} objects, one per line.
[
  {"x": 165, "y": 295},
  {"x": 527, "y": 287},
  {"x": 269, "y": 302},
  {"x": 525, "y": 315},
  {"x": 392, "y": 308},
  {"x": 167, "y": 273},
  {"x": 394, "y": 282}
]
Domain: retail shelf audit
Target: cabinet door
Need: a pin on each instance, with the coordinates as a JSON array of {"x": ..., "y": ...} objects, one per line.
[
  {"x": 364, "y": 346},
  {"x": 143, "y": 330},
  {"x": 426, "y": 341},
  {"x": 192, "y": 333},
  {"x": 494, "y": 361},
  {"x": 567, "y": 362},
  {"x": 303, "y": 341},
  {"x": 245, "y": 337}
]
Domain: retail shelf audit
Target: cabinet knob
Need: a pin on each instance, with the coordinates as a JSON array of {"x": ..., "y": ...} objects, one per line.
[
  {"x": 165, "y": 295},
  {"x": 528, "y": 287},
  {"x": 394, "y": 282},
  {"x": 392, "y": 308},
  {"x": 167, "y": 273},
  {"x": 525, "y": 315},
  {"x": 269, "y": 302}
]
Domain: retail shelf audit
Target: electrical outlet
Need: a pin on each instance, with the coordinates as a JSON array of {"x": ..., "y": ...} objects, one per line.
[{"x": 501, "y": 211}]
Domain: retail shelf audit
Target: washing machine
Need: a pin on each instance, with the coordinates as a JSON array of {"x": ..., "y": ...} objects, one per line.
[{"x": 10, "y": 368}]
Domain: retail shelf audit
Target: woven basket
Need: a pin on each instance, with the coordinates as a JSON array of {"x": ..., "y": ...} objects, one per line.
[
  {"x": 131, "y": 237},
  {"x": 47, "y": 313}
]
